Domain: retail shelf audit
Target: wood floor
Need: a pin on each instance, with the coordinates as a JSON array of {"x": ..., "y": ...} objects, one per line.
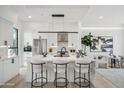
[{"x": 99, "y": 82}]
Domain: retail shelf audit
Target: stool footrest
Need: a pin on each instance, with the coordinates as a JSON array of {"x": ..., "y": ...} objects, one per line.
[
  {"x": 41, "y": 84},
  {"x": 86, "y": 81},
  {"x": 65, "y": 85}
]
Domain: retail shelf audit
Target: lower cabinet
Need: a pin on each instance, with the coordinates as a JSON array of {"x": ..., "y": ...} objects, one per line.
[
  {"x": 1, "y": 72},
  {"x": 10, "y": 68}
]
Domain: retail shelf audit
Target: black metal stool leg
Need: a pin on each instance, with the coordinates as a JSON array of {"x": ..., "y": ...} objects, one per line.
[
  {"x": 89, "y": 79},
  {"x": 32, "y": 76},
  {"x": 80, "y": 75},
  {"x": 56, "y": 79},
  {"x": 39, "y": 78},
  {"x": 41, "y": 75},
  {"x": 59, "y": 78},
  {"x": 74, "y": 76},
  {"x": 84, "y": 77},
  {"x": 36, "y": 77},
  {"x": 46, "y": 76},
  {"x": 89, "y": 75},
  {"x": 66, "y": 74},
  {"x": 86, "y": 82},
  {"x": 56, "y": 76}
]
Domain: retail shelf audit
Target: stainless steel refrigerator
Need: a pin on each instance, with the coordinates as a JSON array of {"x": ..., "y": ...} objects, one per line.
[{"x": 39, "y": 46}]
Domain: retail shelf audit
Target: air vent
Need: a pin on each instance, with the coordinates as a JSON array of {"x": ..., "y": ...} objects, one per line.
[{"x": 57, "y": 15}]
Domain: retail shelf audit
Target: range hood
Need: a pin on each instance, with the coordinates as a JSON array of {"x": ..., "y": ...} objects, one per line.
[{"x": 62, "y": 37}]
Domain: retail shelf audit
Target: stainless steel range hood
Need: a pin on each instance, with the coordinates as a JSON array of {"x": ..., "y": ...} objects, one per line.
[{"x": 62, "y": 37}]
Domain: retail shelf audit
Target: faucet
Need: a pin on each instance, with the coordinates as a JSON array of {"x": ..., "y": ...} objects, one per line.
[{"x": 63, "y": 52}]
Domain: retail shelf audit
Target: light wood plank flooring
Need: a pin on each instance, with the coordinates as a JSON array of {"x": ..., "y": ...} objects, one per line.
[{"x": 101, "y": 81}]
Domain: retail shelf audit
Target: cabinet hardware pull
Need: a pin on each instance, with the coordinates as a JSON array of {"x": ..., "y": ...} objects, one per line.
[{"x": 12, "y": 61}]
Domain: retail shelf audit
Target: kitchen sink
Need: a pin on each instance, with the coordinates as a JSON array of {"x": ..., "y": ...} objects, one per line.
[
  {"x": 61, "y": 56},
  {"x": 62, "y": 53}
]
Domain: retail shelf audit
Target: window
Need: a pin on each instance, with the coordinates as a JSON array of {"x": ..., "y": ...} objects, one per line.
[{"x": 13, "y": 49}]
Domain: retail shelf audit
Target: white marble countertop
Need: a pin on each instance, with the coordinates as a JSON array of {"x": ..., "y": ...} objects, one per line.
[
  {"x": 6, "y": 58},
  {"x": 51, "y": 58}
]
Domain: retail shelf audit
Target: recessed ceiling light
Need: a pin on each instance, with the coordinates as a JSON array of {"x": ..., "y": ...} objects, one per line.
[
  {"x": 29, "y": 16},
  {"x": 100, "y": 17}
]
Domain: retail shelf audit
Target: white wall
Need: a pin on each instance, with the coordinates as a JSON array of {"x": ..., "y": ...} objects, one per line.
[
  {"x": 30, "y": 31},
  {"x": 33, "y": 27},
  {"x": 8, "y": 14},
  {"x": 117, "y": 35},
  {"x": 48, "y": 26}
]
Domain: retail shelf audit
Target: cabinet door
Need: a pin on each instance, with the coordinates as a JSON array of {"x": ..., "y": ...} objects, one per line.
[
  {"x": 7, "y": 70},
  {"x": 2, "y": 73},
  {"x": 52, "y": 39},
  {"x": 72, "y": 39},
  {"x": 11, "y": 68},
  {"x": 15, "y": 66}
]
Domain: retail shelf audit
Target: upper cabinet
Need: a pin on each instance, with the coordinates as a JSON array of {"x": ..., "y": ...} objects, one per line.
[
  {"x": 40, "y": 35},
  {"x": 72, "y": 39},
  {"x": 6, "y": 33},
  {"x": 52, "y": 39}
]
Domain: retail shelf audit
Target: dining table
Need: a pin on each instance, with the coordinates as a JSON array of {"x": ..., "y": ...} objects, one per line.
[{"x": 114, "y": 62}]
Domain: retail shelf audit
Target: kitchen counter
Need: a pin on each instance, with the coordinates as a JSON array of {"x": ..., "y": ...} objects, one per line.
[
  {"x": 50, "y": 59},
  {"x": 9, "y": 57}
]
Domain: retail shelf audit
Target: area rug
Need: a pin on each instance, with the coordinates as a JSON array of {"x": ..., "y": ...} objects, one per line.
[{"x": 115, "y": 76}]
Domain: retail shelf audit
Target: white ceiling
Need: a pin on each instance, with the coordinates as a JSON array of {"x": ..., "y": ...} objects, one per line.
[
  {"x": 88, "y": 15},
  {"x": 43, "y": 13}
]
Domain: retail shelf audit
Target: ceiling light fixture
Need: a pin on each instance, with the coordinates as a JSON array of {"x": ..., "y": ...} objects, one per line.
[
  {"x": 100, "y": 17},
  {"x": 29, "y": 16},
  {"x": 56, "y": 18}
]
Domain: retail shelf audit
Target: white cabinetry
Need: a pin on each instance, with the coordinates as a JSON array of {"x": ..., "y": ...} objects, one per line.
[
  {"x": 72, "y": 39},
  {"x": 6, "y": 33},
  {"x": 9, "y": 68},
  {"x": 52, "y": 39},
  {"x": 1, "y": 73},
  {"x": 27, "y": 55},
  {"x": 37, "y": 35},
  {"x": 28, "y": 38}
]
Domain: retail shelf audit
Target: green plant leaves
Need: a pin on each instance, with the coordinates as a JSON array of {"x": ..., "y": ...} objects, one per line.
[{"x": 86, "y": 40}]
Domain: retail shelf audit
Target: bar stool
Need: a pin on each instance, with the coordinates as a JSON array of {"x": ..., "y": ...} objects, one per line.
[
  {"x": 60, "y": 68},
  {"x": 82, "y": 67},
  {"x": 38, "y": 70}
]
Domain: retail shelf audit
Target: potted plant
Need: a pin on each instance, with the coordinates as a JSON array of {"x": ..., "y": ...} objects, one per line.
[{"x": 86, "y": 41}]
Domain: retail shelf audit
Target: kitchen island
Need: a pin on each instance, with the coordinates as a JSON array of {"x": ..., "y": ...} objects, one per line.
[{"x": 49, "y": 61}]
